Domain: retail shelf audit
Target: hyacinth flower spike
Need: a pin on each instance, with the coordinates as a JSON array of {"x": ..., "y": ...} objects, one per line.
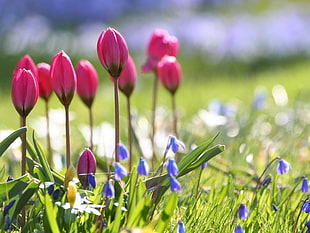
[
  {"x": 45, "y": 91},
  {"x": 160, "y": 44},
  {"x": 64, "y": 84},
  {"x": 113, "y": 54},
  {"x": 87, "y": 85},
  {"x": 126, "y": 83}
]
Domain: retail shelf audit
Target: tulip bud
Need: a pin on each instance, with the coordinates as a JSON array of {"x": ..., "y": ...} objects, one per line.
[
  {"x": 69, "y": 175},
  {"x": 44, "y": 80},
  {"x": 169, "y": 73},
  {"x": 27, "y": 63},
  {"x": 160, "y": 44},
  {"x": 112, "y": 51},
  {"x": 63, "y": 78},
  {"x": 25, "y": 91},
  {"x": 86, "y": 166},
  {"x": 71, "y": 194},
  {"x": 87, "y": 82},
  {"x": 127, "y": 79}
]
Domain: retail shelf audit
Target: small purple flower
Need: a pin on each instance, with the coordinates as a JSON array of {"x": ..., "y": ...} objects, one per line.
[
  {"x": 267, "y": 181},
  {"x": 174, "y": 144},
  {"x": 283, "y": 167},
  {"x": 8, "y": 207},
  {"x": 239, "y": 229},
  {"x": 143, "y": 168},
  {"x": 243, "y": 211},
  {"x": 56, "y": 194},
  {"x": 305, "y": 185},
  {"x": 172, "y": 168},
  {"x": 108, "y": 190},
  {"x": 7, "y": 225},
  {"x": 175, "y": 186},
  {"x": 308, "y": 225},
  {"x": 181, "y": 227},
  {"x": 203, "y": 166},
  {"x": 275, "y": 208},
  {"x": 50, "y": 189},
  {"x": 119, "y": 171},
  {"x": 306, "y": 207},
  {"x": 122, "y": 152},
  {"x": 91, "y": 180},
  {"x": 10, "y": 178}
]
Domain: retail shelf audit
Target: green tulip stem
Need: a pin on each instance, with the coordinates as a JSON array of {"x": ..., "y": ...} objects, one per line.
[
  {"x": 116, "y": 118},
  {"x": 68, "y": 157},
  {"x": 48, "y": 137},
  {"x": 130, "y": 135}
]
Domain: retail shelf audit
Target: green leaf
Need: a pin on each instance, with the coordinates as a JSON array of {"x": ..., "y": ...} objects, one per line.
[
  {"x": 4, "y": 145},
  {"x": 139, "y": 216},
  {"x": 116, "y": 225},
  {"x": 167, "y": 213},
  {"x": 51, "y": 212},
  {"x": 10, "y": 189}
]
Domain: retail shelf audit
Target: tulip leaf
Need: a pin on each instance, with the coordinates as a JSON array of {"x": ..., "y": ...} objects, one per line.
[
  {"x": 118, "y": 215},
  {"x": 13, "y": 188},
  {"x": 4, "y": 145},
  {"x": 51, "y": 213}
]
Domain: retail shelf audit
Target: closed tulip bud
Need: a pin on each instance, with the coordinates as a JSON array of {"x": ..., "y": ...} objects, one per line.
[
  {"x": 44, "y": 80},
  {"x": 169, "y": 73},
  {"x": 86, "y": 166},
  {"x": 71, "y": 194},
  {"x": 27, "y": 63},
  {"x": 160, "y": 44},
  {"x": 87, "y": 82},
  {"x": 112, "y": 51},
  {"x": 127, "y": 79},
  {"x": 25, "y": 91},
  {"x": 63, "y": 78}
]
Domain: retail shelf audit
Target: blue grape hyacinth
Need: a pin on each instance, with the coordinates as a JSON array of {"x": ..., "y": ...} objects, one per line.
[
  {"x": 172, "y": 168},
  {"x": 283, "y": 167}
]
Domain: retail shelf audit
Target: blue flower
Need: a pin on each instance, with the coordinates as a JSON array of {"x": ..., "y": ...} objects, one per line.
[
  {"x": 108, "y": 190},
  {"x": 243, "y": 211},
  {"x": 10, "y": 178},
  {"x": 267, "y": 181},
  {"x": 203, "y": 166},
  {"x": 306, "y": 207},
  {"x": 283, "y": 167},
  {"x": 50, "y": 189},
  {"x": 275, "y": 208},
  {"x": 56, "y": 194},
  {"x": 143, "y": 168},
  {"x": 122, "y": 152},
  {"x": 91, "y": 180},
  {"x": 172, "y": 168},
  {"x": 8, "y": 207},
  {"x": 239, "y": 229},
  {"x": 305, "y": 185},
  {"x": 7, "y": 225},
  {"x": 308, "y": 225},
  {"x": 181, "y": 227},
  {"x": 174, "y": 184},
  {"x": 119, "y": 171},
  {"x": 174, "y": 144}
]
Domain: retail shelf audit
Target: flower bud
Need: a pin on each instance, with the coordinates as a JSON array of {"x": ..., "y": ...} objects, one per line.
[
  {"x": 69, "y": 175},
  {"x": 243, "y": 211},
  {"x": 127, "y": 79},
  {"x": 181, "y": 227},
  {"x": 71, "y": 194},
  {"x": 169, "y": 73},
  {"x": 44, "y": 80},
  {"x": 25, "y": 91},
  {"x": 27, "y": 63},
  {"x": 112, "y": 51},
  {"x": 87, "y": 82},
  {"x": 305, "y": 185},
  {"x": 63, "y": 78},
  {"x": 175, "y": 185},
  {"x": 172, "y": 168},
  {"x": 86, "y": 166},
  {"x": 119, "y": 171},
  {"x": 143, "y": 168},
  {"x": 160, "y": 44},
  {"x": 108, "y": 190},
  {"x": 122, "y": 152}
]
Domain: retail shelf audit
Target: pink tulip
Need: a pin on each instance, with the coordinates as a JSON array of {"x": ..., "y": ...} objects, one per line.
[
  {"x": 25, "y": 91},
  {"x": 63, "y": 78},
  {"x": 169, "y": 73},
  {"x": 44, "y": 80},
  {"x": 86, "y": 166},
  {"x": 112, "y": 51},
  {"x": 27, "y": 63},
  {"x": 127, "y": 79},
  {"x": 160, "y": 44},
  {"x": 87, "y": 82}
]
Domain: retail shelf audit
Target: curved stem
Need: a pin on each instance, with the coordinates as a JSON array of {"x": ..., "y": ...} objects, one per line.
[
  {"x": 129, "y": 132},
  {"x": 91, "y": 127},
  {"x": 48, "y": 136},
  {"x": 68, "y": 156},
  {"x": 116, "y": 119},
  {"x": 155, "y": 90}
]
